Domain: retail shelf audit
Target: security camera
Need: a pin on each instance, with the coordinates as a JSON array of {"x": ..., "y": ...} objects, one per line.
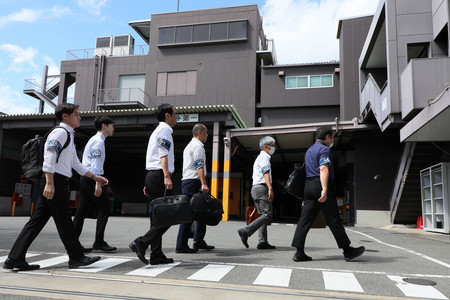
[{"x": 225, "y": 139}]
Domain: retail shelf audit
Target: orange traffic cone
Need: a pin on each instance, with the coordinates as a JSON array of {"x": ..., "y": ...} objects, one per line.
[{"x": 419, "y": 223}]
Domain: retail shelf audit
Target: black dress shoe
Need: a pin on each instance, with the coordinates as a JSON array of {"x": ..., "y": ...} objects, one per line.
[
  {"x": 301, "y": 257},
  {"x": 19, "y": 265},
  {"x": 140, "y": 251},
  {"x": 86, "y": 250},
  {"x": 186, "y": 250},
  {"x": 203, "y": 245},
  {"x": 265, "y": 246},
  {"x": 160, "y": 259},
  {"x": 351, "y": 253},
  {"x": 103, "y": 247},
  {"x": 83, "y": 261},
  {"x": 244, "y": 237}
]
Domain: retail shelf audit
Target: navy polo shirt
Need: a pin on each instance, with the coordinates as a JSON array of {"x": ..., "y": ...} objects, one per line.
[{"x": 316, "y": 156}]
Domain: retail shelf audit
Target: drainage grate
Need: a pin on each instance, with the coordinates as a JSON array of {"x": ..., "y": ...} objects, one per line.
[{"x": 419, "y": 281}]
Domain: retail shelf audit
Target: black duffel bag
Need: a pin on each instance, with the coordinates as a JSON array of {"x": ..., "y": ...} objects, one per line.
[
  {"x": 295, "y": 184},
  {"x": 170, "y": 210},
  {"x": 206, "y": 209}
]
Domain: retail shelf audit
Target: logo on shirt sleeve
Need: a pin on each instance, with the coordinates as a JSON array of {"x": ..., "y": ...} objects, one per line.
[
  {"x": 199, "y": 163},
  {"x": 164, "y": 143},
  {"x": 95, "y": 153},
  {"x": 265, "y": 169},
  {"x": 54, "y": 144},
  {"x": 324, "y": 160}
]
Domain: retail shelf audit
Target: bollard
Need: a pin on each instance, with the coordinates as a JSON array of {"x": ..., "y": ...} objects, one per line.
[
  {"x": 14, "y": 209},
  {"x": 32, "y": 208}
]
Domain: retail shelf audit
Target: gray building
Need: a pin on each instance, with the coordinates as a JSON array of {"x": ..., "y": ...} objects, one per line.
[{"x": 217, "y": 67}]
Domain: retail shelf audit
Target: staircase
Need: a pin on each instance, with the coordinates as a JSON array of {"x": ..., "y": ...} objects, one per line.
[{"x": 406, "y": 201}]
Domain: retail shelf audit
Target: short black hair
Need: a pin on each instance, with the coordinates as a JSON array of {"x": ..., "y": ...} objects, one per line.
[
  {"x": 322, "y": 131},
  {"x": 100, "y": 120},
  {"x": 64, "y": 108},
  {"x": 162, "y": 110}
]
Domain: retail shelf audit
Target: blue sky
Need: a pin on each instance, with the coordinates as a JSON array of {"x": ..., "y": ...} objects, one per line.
[{"x": 37, "y": 33}]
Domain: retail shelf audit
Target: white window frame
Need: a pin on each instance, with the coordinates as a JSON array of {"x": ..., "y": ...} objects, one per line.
[{"x": 309, "y": 82}]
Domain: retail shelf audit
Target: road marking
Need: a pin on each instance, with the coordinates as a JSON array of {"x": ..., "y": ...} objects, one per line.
[
  {"x": 211, "y": 272},
  {"x": 404, "y": 249},
  {"x": 340, "y": 281},
  {"x": 274, "y": 277},
  {"x": 415, "y": 290},
  {"x": 101, "y": 265},
  {"x": 28, "y": 255},
  {"x": 52, "y": 261},
  {"x": 152, "y": 271}
]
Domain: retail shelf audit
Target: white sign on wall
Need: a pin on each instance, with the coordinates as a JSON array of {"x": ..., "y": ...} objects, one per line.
[{"x": 187, "y": 118}]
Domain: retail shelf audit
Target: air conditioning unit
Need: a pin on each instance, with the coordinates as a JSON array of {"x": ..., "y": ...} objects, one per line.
[
  {"x": 123, "y": 45},
  {"x": 103, "y": 45}
]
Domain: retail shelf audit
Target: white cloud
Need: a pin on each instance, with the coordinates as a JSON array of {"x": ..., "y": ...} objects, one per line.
[
  {"x": 25, "y": 15},
  {"x": 305, "y": 30},
  {"x": 13, "y": 102},
  {"x": 92, "y": 6},
  {"x": 20, "y": 57},
  {"x": 60, "y": 11}
]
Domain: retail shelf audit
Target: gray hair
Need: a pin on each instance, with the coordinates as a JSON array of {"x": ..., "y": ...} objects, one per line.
[
  {"x": 267, "y": 140},
  {"x": 197, "y": 127}
]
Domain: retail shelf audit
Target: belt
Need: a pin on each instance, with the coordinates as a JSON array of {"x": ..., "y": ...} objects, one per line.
[
  {"x": 314, "y": 177},
  {"x": 263, "y": 184}
]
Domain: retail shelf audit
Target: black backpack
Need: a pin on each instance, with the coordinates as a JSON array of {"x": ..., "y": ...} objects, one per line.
[{"x": 32, "y": 157}]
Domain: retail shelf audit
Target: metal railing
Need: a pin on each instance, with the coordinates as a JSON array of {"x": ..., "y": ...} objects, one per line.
[
  {"x": 34, "y": 85},
  {"x": 91, "y": 52},
  {"x": 123, "y": 95}
]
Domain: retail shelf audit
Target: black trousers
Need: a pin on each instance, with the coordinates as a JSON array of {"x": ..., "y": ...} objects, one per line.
[
  {"x": 58, "y": 208},
  {"x": 86, "y": 204},
  {"x": 311, "y": 208},
  {"x": 154, "y": 186},
  {"x": 189, "y": 187}
]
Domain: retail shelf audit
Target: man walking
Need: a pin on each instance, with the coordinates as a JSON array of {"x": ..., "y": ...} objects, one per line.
[
  {"x": 160, "y": 165},
  {"x": 320, "y": 194},
  {"x": 55, "y": 200},
  {"x": 262, "y": 195},
  {"x": 93, "y": 160},
  {"x": 193, "y": 181}
]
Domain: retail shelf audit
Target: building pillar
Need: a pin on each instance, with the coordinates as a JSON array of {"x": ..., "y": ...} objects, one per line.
[
  {"x": 215, "y": 161},
  {"x": 63, "y": 86},
  {"x": 226, "y": 177}
]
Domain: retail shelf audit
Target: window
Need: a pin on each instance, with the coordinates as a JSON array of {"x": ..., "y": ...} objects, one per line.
[
  {"x": 183, "y": 34},
  {"x": 166, "y": 35},
  {"x": 176, "y": 83},
  {"x": 203, "y": 33},
  {"x": 131, "y": 87},
  {"x": 309, "y": 81}
]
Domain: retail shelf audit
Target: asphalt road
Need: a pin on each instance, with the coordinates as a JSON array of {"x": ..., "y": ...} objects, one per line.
[{"x": 231, "y": 271}]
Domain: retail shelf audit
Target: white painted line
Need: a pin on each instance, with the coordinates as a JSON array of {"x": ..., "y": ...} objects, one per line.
[
  {"x": 28, "y": 255},
  {"x": 404, "y": 249},
  {"x": 340, "y": 281},
  {"x": 211, "y": 273},
  {"x": 152, "y": 271},
  {"x": 417, "y": 291},
  {"x": 52, "y": 261},
  {"x": 101, "y": 265},
  {"x": 274, "y": 277}
]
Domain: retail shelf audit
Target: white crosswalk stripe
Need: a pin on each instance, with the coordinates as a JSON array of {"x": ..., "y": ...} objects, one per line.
[
  {"x": 211, "y": 272},
  {"x": 415, "y": 290},
  {"x": 102, "y": 265},
  {"x": 153, "y": 271},
  {"x": 52, "y": 261},
  {"x": 341, "y": 281},
  {"x": 274, "y": 277},
  {"x": 28, "y": 255}
]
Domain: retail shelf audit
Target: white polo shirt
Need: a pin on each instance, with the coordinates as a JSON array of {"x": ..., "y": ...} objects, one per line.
[
  {"x": 194, "y": 158},
  {"x": 160, "y": 144},
  {"x": 68, "y": 158},
  {"x": 260, "y": 167},
  {"x": 94, "y": 154}
]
